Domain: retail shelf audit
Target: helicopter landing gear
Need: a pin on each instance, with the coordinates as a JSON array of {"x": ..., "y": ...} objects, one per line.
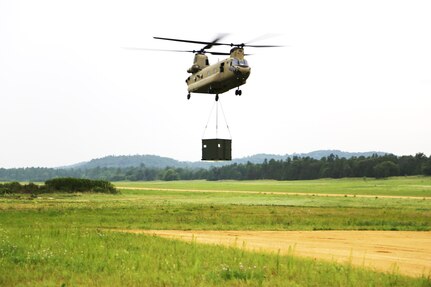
[
  {"x": 238, "y": 92},
  {"x": 216, "y": 98},
  {"x": 188, "y": 96}
]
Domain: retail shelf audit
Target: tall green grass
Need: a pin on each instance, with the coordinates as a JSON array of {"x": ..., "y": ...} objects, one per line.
[
  {"x": 89, "y": 257},
  {"x": 62, "y": 239}
]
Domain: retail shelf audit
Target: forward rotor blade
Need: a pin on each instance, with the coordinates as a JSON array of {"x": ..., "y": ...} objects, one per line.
[
  {"x": 262, "y": 37},
  {"x": 223, "y": 53},
  {"x": 246, "y": 45},
  {"x": 215, "y": 42},
  {"x": 263, "y": 46}
]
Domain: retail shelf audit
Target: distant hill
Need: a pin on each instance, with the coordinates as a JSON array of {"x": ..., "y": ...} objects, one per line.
[
  {"x": 155, "y": 161},
  {"x": 122, "y": 161}
]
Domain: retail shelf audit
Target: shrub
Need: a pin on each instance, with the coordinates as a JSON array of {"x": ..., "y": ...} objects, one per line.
[
  {"x": 59, "y": 185},
  {"x": 70, "y": 184}
]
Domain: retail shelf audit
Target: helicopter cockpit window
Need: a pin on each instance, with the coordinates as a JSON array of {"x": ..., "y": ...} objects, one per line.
[{"x": 241, "y": 63}]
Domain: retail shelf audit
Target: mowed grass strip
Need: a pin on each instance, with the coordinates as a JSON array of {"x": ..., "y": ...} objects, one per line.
[
  {"x": 418, "y": 186},
  {"x": 221, "y": 217}
]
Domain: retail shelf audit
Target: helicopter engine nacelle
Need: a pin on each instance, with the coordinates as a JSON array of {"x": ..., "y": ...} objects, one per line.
[{"x": 193, "y": 69}]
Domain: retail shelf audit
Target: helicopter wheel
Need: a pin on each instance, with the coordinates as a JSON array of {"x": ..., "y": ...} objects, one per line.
[
  {"x": 188, "y": 96},
  {"x": 216, "y": 98},
  {"x": 239, "y": 92}
]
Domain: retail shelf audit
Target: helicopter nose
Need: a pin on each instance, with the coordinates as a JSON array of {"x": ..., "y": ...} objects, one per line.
[{"x": 244, "y": 72}]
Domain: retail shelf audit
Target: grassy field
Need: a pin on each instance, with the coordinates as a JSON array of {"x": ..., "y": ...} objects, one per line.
[
  {"x": 60, "y": 239},
  {"x": 397, "y": 186}
]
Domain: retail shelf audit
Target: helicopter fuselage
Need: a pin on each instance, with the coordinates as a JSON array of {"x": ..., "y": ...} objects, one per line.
[{"x": 218, "y": 78}]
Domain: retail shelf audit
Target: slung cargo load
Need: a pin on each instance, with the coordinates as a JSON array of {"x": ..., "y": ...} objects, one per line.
[{"x": 217, "y": 149}]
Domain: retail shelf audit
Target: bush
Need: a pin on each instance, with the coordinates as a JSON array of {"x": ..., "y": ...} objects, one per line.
[
  {"x": 11, "y": 187},
  {"x": 59, "y": 185},
  {"x": 70, "y": 184}
]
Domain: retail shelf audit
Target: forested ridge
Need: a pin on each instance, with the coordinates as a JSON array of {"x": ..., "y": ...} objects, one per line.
[{"x": 292, "y": 168}]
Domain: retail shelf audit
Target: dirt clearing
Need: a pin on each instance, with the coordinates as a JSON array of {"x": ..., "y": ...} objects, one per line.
[{"x": 406, "y": 252}]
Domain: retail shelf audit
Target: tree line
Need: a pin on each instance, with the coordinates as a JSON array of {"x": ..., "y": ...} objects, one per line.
[{"x": 294, "y": 168}]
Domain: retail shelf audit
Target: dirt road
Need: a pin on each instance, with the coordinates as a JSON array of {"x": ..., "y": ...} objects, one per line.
[{"x": 408, "y": 251}]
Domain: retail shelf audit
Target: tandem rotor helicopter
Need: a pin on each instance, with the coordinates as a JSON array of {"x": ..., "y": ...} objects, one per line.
[
  {"x": 230, "y": 73},
  {"x": 227, "y": 74}
]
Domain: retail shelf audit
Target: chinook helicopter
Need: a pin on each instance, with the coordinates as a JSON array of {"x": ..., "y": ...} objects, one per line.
[{"x": 230, "y": 73}]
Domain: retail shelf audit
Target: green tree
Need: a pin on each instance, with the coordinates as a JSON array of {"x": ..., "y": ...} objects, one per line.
[
  {"x": 386, "y": 169},
  {"x": 170, "y": 174},
  {"x": 426, "y": 168}
]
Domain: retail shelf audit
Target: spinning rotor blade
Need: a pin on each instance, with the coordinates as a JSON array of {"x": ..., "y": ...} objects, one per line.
[
  {"x": 223, "y": 53},
  {"x": 185, "y": 51},
  {"x": 180, "y": 40},
  {"x": 262, "y": 37},
  {"x": 262, "y": 46},
  {"x": 214, "y": 42},
  {"x": 247, "y": 44},
  {"x": 208, "y": 45},
  {"x": 218, "y": 53},
  {"x": 160, "y": 50}
]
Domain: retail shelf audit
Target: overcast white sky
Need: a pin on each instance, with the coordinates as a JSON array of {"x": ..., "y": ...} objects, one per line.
[{"x": 356, "y": 76}]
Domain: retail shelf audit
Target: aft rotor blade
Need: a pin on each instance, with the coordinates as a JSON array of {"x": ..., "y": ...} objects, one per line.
[
  {"x": 214, "y": 42},
  {"x": 186, "y": 41},
  {"x": 186, "y": 51},
  {"x": 160, "y": 50},
  {"x": 218, "y": 53}
]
